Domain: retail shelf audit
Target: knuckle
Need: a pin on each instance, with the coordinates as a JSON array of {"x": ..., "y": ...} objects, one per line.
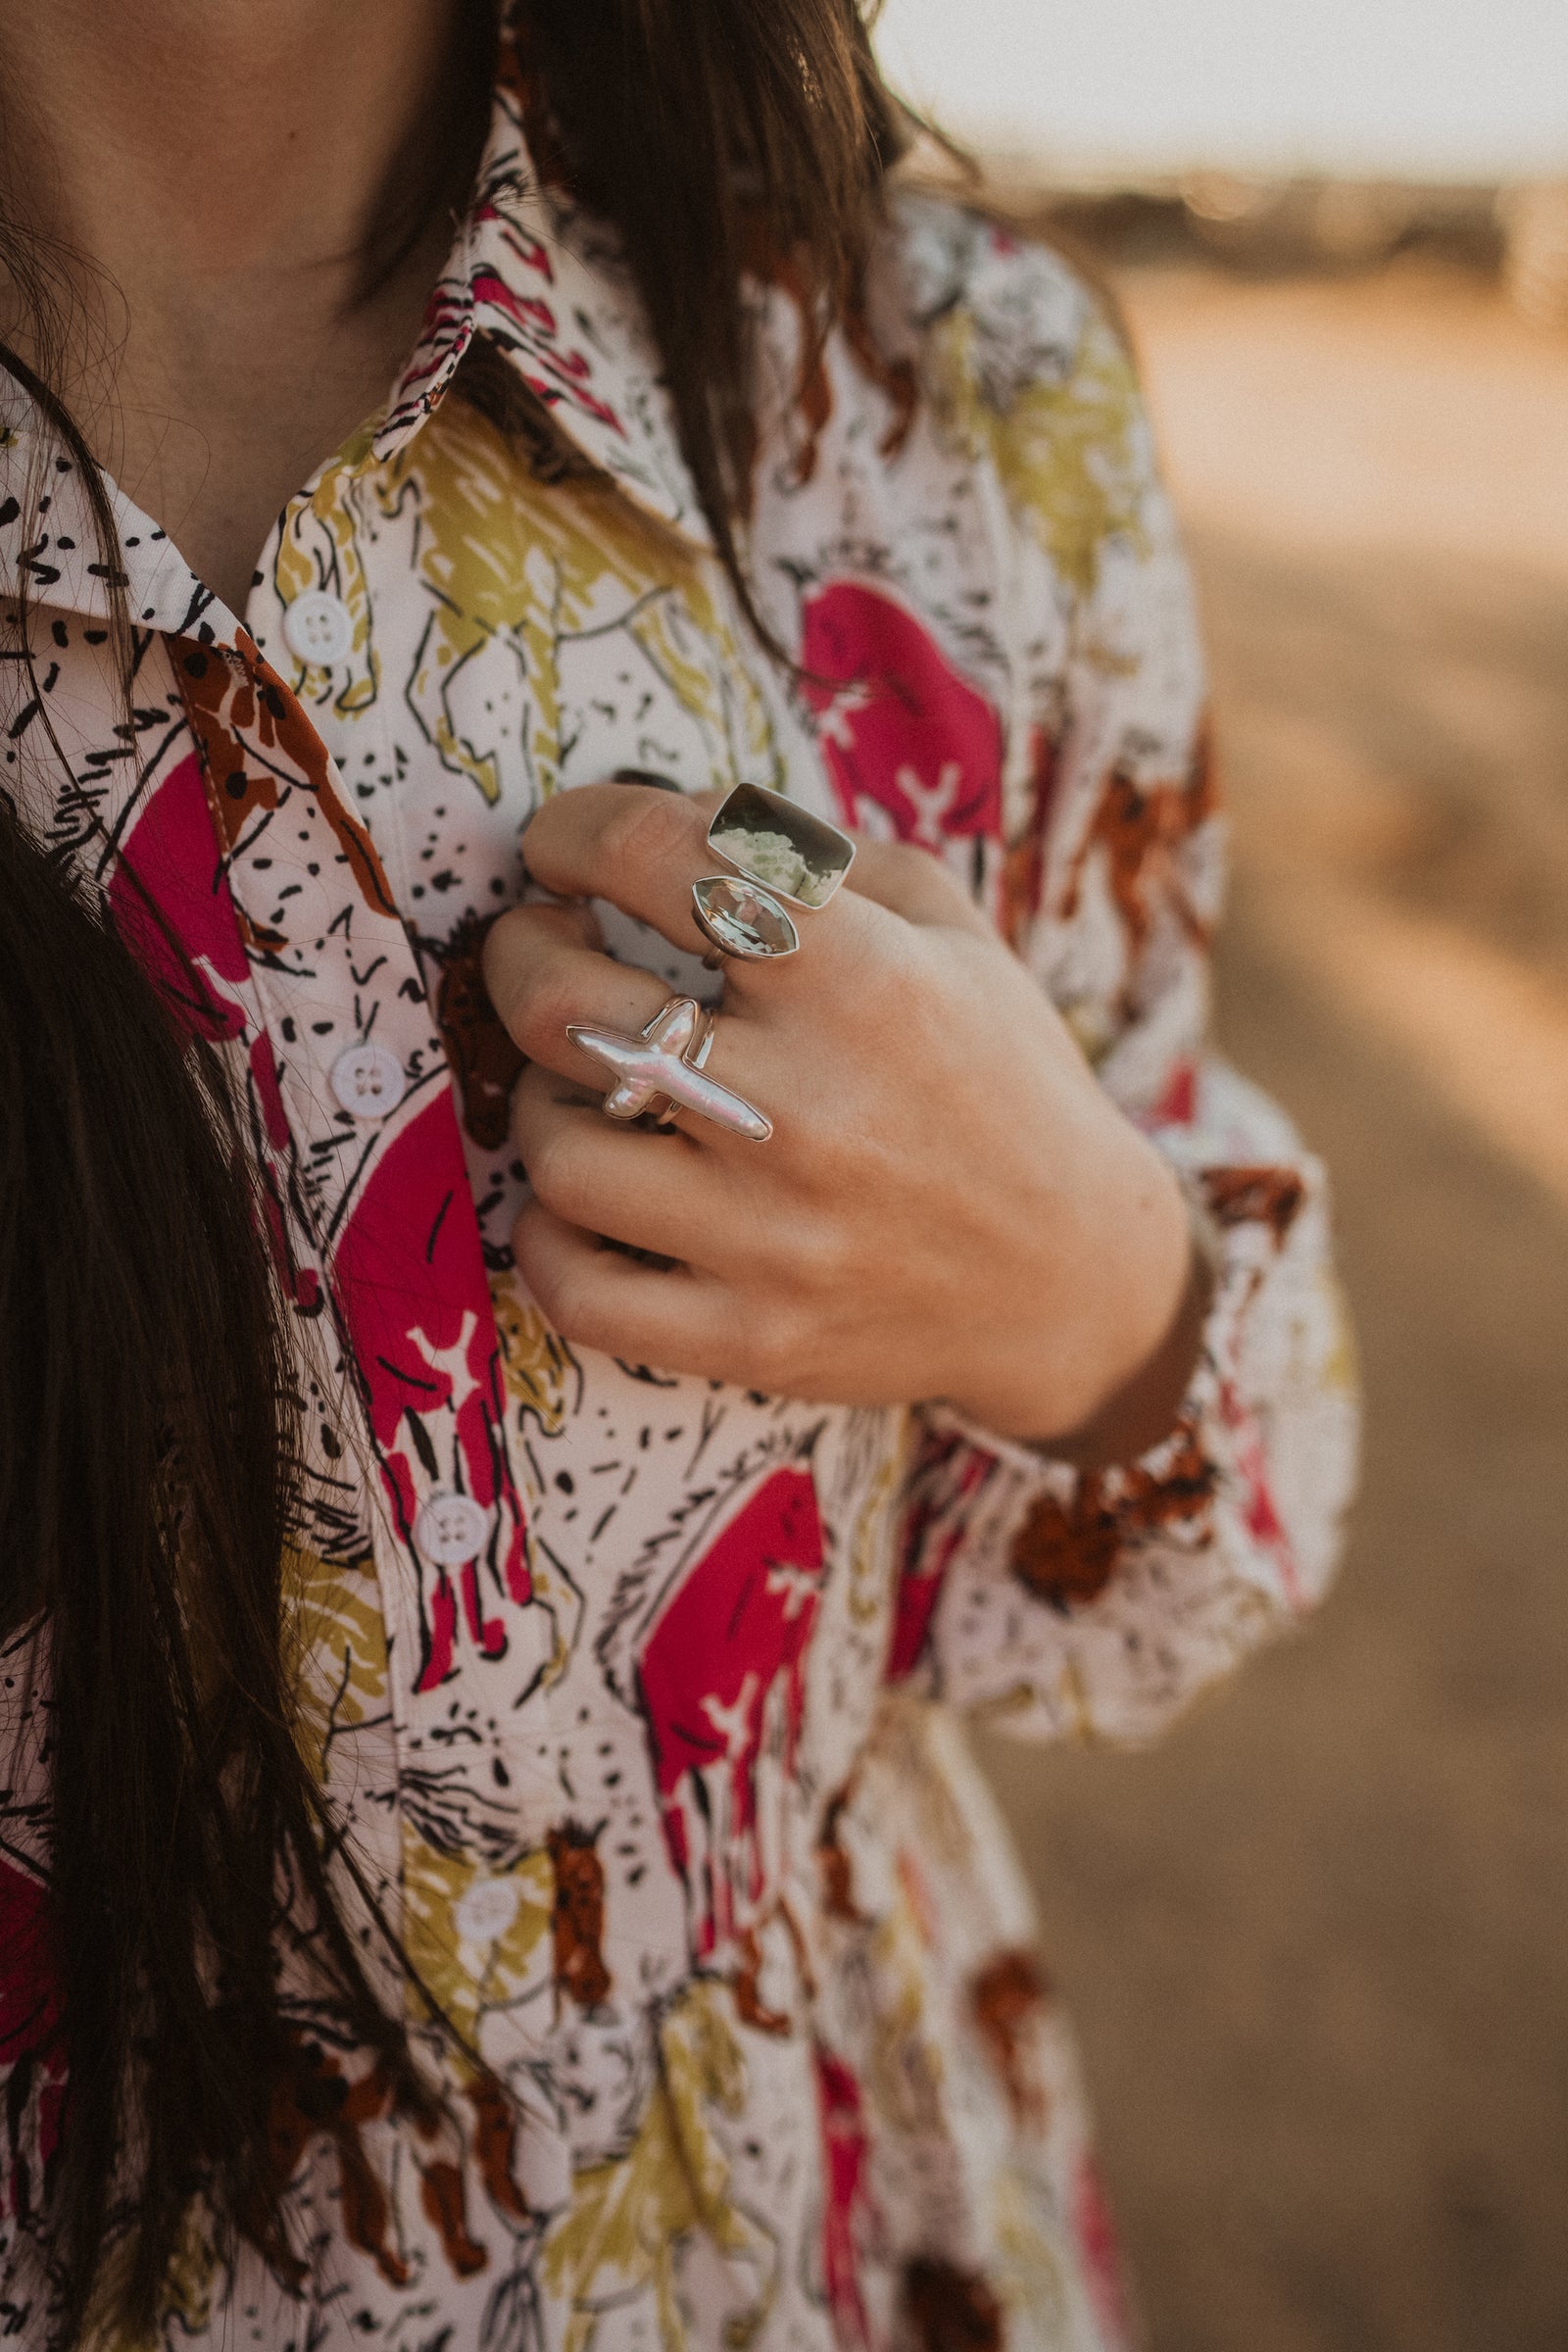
[
  {"x": 559, "y": 988},
  {"x": 578, "y": 1312},
  {"x": 543, "y": 1009},
  {"x": 555, "y": 1172},
  {"x": 806, "y": 1260},
  {"x": 520, "y": 966},
  {"x": 647, "y": 828},
  {"x": 565, "y": 1304},
  {"x": 827, "y": 1259},
  {"x": 904, "y": 858},
  {"x": 556, "y": 1294},
  {"x": 553, "y": 1283},
  {"x": 503, "y": 961},
  {"x": 776, "y": 1347},
  {"x": 829, "y": 1173}
]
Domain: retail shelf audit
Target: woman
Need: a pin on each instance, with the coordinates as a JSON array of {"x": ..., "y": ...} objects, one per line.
[{"x": 559, "y": 1911}]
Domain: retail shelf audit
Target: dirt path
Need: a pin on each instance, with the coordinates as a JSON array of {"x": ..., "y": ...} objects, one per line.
[{"x": 1316, "y": 1943}]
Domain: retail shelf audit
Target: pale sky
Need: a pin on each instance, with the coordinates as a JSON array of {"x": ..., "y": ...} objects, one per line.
[{"x": 1437, "y": 88}]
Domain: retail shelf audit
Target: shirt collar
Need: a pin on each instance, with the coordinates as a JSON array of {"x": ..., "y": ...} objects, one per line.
[
  {"x": 544, "y": 280},
  {"x": 529, "y": 269},
  {"x": 50, "y": 546}
]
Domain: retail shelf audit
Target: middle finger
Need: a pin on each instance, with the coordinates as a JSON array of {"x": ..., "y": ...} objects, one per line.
[
  {"x": 541, "y": 977},
  {"x": 543, "y": 982},
  {"x": 660, "y": 1192}
]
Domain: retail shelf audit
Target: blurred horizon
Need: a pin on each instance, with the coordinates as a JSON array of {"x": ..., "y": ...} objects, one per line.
[
  {"x": 1439, "y": 90},
  {"x": 1313, "y": 1940}
]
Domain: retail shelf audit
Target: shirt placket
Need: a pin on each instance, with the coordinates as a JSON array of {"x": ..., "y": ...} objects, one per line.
[{"x": 366, "y": 1092}]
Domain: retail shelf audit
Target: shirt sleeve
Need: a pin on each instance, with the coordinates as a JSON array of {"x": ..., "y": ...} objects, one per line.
[{"x": 1101, "y": 1602}]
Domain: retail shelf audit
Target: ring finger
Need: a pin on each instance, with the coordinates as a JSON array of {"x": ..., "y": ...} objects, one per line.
[
  {"x": 542, "y": 979},
  {"x": 657, "y": 1193}
]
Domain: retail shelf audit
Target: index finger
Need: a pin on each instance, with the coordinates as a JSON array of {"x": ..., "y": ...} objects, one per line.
[{"x": 639, "y": 848}]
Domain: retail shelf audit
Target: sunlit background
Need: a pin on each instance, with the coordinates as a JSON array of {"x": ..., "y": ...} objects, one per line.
[
  {"x": 1315, "y": 1941},
  {"x": 1443, "y": 88}
]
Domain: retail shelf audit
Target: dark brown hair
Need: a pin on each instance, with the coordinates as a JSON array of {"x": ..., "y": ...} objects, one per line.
[
  {"x": 146, "y": 1417},
  {"x": 718, "y": 136},
  {"x": 146, "y": 1429}
]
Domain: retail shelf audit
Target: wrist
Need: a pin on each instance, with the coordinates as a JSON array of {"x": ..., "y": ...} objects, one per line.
[
  {"x": 1146, "y": 1405},
  {"x": 1105, "y": 1384}
]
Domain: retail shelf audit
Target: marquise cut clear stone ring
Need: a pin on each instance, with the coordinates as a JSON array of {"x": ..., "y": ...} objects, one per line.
[{"x": 785, "y": 862}]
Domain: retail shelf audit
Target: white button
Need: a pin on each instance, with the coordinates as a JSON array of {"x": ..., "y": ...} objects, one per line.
[
  {"x": 450, "y": 1530},
  {"x": 317, "y": 628},
  {"x": 368, "y": 1081},
  {"x": 487, "y": 1910}
]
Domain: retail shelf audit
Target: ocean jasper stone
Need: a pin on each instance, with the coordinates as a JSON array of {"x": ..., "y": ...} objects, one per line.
[{"x": 784, "y": 848}]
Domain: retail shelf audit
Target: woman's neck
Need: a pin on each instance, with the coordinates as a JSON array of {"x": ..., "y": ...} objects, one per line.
[{"x": 250, "y": 194}]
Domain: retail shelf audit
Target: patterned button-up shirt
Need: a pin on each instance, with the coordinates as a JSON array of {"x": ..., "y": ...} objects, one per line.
[{"x": 633, "y": 1693}]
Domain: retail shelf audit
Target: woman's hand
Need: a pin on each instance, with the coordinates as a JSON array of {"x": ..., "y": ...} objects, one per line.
[{"x": 949, "y": 1206}]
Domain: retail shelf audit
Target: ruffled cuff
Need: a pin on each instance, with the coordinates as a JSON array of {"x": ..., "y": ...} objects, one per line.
[{"x": 1100, "y": 1602}]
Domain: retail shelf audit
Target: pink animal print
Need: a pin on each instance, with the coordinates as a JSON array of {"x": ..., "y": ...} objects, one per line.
[
  {"x": 721, "y": 1676},
  {"x": 906, "y": 737}
]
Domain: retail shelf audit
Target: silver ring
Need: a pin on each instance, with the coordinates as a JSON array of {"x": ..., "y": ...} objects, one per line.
[
  {"x": 660, "y": 1071},
  {"x": 788, "y": 862}
]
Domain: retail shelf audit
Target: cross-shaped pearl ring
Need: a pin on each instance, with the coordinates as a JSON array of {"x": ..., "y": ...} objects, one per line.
[{"x": 664, "y": 1066}]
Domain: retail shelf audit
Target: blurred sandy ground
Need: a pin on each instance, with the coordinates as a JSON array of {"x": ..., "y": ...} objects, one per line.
[{"x": 1316, "y": 1941}]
